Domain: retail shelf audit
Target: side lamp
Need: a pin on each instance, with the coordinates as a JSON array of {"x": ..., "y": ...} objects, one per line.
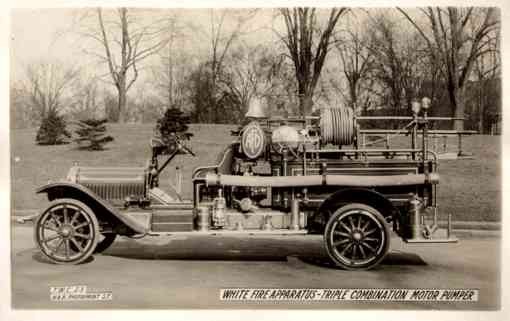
[
  {"x": 425, "y": 103},
  {"x": 415, "y": 107}
]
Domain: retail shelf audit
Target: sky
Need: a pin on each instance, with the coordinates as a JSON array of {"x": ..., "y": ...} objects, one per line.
[
  {"x": 35, "y": 34},
  {"x": 53, "y": 34}
]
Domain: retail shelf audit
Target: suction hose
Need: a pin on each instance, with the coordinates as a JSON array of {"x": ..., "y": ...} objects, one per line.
[{"x": 318, "y": 180}]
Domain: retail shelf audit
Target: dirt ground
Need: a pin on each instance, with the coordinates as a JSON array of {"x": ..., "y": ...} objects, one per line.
[{"x": 188, "y": 273}]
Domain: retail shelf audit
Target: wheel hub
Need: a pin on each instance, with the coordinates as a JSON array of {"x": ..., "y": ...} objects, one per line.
[
  {"x": 357, "y": 236},
  {"x": 66, "y": 231}
]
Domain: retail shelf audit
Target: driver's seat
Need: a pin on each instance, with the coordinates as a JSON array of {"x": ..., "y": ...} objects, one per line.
[{"x": 223, "y": 165}]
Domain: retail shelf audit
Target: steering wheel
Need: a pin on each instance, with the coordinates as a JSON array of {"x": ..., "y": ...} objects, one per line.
[{"x": 184, "y": 148}]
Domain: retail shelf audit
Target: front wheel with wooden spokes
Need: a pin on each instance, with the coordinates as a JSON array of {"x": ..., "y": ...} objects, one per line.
[
  {"x": 356, "y": 237},
  {"x": 67, "y": 231}
]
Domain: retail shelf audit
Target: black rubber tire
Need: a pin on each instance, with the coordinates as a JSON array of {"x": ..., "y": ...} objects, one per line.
[
  {"x": 369, "y": 234},
  {"x": 105, "y": 243},
  {"x": 90, "y": 224}
]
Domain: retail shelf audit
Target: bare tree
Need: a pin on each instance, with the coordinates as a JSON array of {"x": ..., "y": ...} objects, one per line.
[
  {"x": 147, "y": 107},
  {"x": 173, "y": 67},
  {"x": 400, "y": 65},
  {"x": 211, "y": 94},
  {"x": 126, "y": 39},
  {"x": 46, "y": 85},
  {"x": 242, "y": 77},
  {"x": 222, "y": 41},
  {"x": 450, "y": 40},
  {"x": 356, "y": 61},
  {"x": 85, "y": 101},
  {"x": 308, "y": 46},
  {"x": 169, "y": 62},
  {"x": 487, "y": 72},
  {"x": 21, "y": 110},
  {"x": 249, "y": 73}
]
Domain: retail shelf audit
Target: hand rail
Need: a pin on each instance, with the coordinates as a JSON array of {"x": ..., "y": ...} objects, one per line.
[
  {"x": 404, "y": 118},
  {"x": 430, "y": 131}
]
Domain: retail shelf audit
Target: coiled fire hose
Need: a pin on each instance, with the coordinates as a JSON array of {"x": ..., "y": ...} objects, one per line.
[{"x": 337, "y": 125}]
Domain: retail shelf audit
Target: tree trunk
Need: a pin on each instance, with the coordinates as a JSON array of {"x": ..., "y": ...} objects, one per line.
[
  {"x": 459, "y": 107},
  {"x": 305, "y": 100},
  {"x": 170, "y": 75},
  {"x": 305, "y": 104},
  {"x": 353, "y": 93},
  {"x": 122, "y": 100},
  {"x": 480, "y": 122},
  {"x": 301, "y": 104},
  {"x": 480, "y": 108}
]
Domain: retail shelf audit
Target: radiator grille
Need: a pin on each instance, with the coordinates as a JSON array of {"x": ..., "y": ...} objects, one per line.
[
  {"x": 112, "y": 184},
  {"x": 116, "y": 191}
]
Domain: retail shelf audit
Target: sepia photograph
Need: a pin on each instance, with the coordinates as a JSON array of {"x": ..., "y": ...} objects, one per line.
[{"x": 297, "y": 157}]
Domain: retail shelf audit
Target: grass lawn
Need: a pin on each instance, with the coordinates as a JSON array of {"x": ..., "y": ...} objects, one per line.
[{"x": 469, "y": 189}]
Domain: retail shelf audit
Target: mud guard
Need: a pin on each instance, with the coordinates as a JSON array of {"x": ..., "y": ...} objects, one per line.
[
  {"x": 349, "y": 195},
  {"x": 76, "y": 191}
]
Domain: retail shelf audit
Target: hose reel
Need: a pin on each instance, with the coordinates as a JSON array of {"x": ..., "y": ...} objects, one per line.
[{"x": 337, "y": 126}]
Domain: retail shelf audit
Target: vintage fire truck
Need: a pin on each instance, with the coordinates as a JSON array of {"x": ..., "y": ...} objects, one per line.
[{"x": 280, "y": 176}]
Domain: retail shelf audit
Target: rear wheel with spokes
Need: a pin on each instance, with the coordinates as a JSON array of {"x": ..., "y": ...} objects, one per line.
[
  {"x": 356, "y": 237},
  {"x": 67, "y": 231}
]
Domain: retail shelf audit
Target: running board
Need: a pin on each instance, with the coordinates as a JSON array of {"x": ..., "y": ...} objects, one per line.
[
  {"x": 422, "y": 241},
  {"x": 233, "y": 232},
  {"x": 439, "y": 235}
]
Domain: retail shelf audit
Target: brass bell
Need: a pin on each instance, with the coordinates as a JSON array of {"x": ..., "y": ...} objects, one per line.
[{"x": 255, "y": 109}]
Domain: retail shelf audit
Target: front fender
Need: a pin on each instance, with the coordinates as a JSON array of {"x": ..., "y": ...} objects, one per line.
[{"x": 80, "y": 192}]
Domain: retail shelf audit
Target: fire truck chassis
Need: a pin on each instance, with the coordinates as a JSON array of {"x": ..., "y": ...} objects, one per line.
[{"x": 297, "y": 175}]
